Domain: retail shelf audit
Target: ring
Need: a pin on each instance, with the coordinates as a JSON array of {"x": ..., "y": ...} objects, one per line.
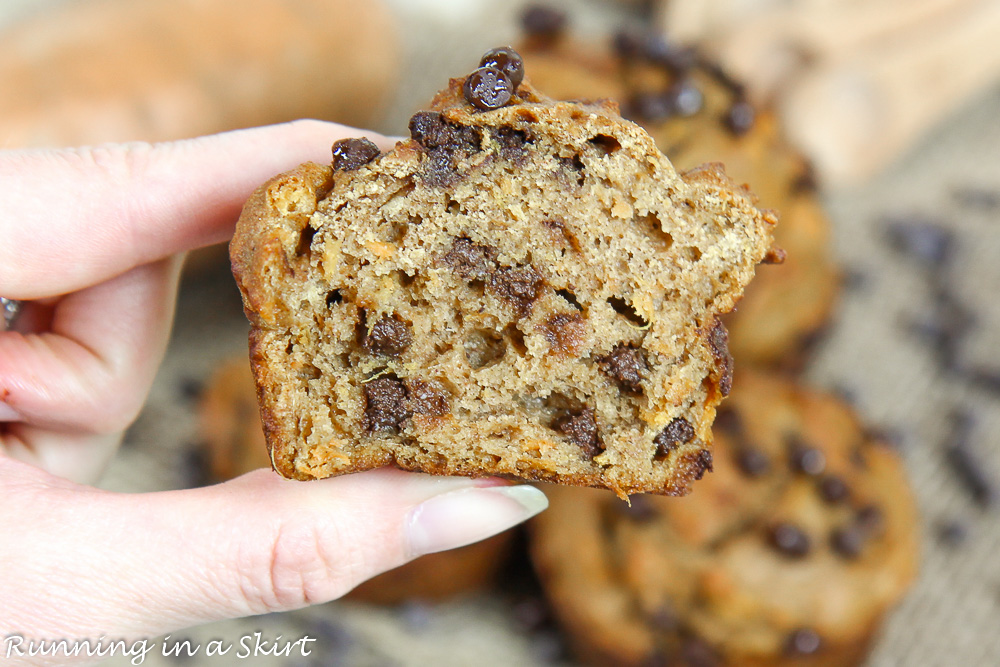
[{"x": 10, "y": 308}]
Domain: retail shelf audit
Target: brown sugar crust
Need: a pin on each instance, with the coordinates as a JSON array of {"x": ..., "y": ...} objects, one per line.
[
  {"x": 234, "y": 444},
  {"x": 787, "y": 306},
  {"x": 805, "y": 535},
  {"x": 519, "y": 246}
]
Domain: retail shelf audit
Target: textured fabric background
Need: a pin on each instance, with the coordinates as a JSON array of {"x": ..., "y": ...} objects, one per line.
[{"x": 871, "y": 353}]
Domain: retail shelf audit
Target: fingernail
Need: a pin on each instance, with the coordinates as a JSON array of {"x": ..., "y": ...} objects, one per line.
[
  {"x": 8, "y": 414},
  {"x": 457, "y": 518}
]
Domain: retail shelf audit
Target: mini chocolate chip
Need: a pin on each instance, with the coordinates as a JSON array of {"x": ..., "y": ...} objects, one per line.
[
  {"x": 702, "y": 464},
  {"x": 804, "y": 641},
  {"x": 686, "y": 98},
  {"x": 487, "y": 88},
  {"x": 752, "y": 461},
  {"x": 625, "y": 365},
  {"x": 386, "y": 405},
  {"x": 848, "y": 541},
  {"x": 540, "y": 21},
  {"x": 350, "y": 154},
  {"x": 833, "y": 489},
  {"x": 871, "y": 519},
  {"x": 389, "y": 335},
  {"x": 471, "y": 261},
  {"x": 519, "y": 287},
  {"x": 790, "y": 540},
  {"x": 508, "y": 61},
  {"x": 580, "y": 427},
  {"x": 740, "y": 117},
  {"x": 718, "y": 340},
  {"x": 677, "y": 432},
  {"x": 805, "y": 459},
  {"x": 427, "y": 398}
]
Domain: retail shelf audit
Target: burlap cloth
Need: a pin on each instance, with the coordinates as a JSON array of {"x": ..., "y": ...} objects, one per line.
[{"x": 951, "y": 615}]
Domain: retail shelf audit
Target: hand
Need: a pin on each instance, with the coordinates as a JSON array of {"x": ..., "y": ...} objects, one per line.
[{"x": 92, "y": 240}]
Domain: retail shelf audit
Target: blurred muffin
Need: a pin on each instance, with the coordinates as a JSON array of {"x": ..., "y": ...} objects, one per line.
[
  {"x": 234, "y": 445},
  {"x": 697, "y": 114},
  {"x": 790, "y": 553}
]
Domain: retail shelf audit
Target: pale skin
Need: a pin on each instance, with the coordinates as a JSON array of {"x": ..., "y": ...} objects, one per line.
[{"x": 92, "y": 241}]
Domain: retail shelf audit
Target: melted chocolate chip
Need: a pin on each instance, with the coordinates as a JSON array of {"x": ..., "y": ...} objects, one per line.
[
  {"x": 427, "y": 398},
  {"x": 625, "y": 365},
  {"x": 487, "y": 88},
  {"x": 833, "y": 489},
  {"x": 508, "y": 61},
  {"x": 677, "y": 432},
  {"x": 564, "y": 332},
  {"x": 580, "y": 428},
  {"x": 848, "y": 541},
  {"x": 512, "y": 143},
  {"x": 350, "y": 154},
  {"x": 518, "y": 287},
  {"x": 702, "y": 464},
  {"x": 471, "y": 261},
  {"x": 540, "y": 21},
  {"x": 805, "y": 459},
  {"x": 389, "y": 336},
  {"x": 752, "y": 461},
  {"x": 431, "y": 130},
  {"x": 386, "y": 405},
  {"x": 804, "y": 641},
  {"x": 790, "y": 540},
  {"x": 718, "y": 340},
  {"x": 740, "y": 117}
]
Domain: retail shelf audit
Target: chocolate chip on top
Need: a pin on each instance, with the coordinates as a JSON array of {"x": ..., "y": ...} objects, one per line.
[
  {"x": 350, "y": 154},
  {"x": 790, "y": 540},
  {"x": 488, "y": 88},
  {"x": 508, "y": 61}
]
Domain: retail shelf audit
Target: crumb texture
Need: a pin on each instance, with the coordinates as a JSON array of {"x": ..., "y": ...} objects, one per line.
[{"x": 531, "y": 291}]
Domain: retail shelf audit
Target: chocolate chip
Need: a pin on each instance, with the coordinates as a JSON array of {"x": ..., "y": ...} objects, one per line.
[
  {"x": 564, "y": 332},
  {"x": 650, "y": 106},
  {"x": 790, "y": 540},
  {"x": 389, "y": 336},
  {"x": 487, "y": 88},
  {"x": 966, "y": 462},
  {"x": 580, "y": 427},
  {"x": 625, "y": 365},
  {"x": 952, "y": 532},
  {"x": 740, "y": 117},
  {"x": 686, "y": 98},
  {"x": 805, "y": 459},
  {"x": 677, "y": 432},
  {"x": 518, "y": 287},
  {"x": 924, "y": 239},
  {"x": 870, "y": 519},
  {"x": 848, "y": 541},
  {"x": 702, "y": 464},
  {"x": 471, "y": 261},
  {"x": 540, "y": 21},
  {"x": 350, "y": 154},
  {"x": 833, "y": 489},
  {"x": 804, "y": 641},
  {"x": 508, "y": 61},
  {"x": 659, "y": 51},
  {"x": 718, "y": 340},
  {"x": 427, "y": 398},
  {"x": 729, "y": 421},
  {"x": 431, "y": 130},
  {"x": 753, "y": 462},
  {"x": 512, "y": 143},
  {"x": 628, "y": 43},
  {"x": 386, "y": 405}
]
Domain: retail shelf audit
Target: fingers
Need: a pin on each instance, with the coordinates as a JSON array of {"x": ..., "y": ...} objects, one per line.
[
  {"x": 154, "y": 563},
  {"x": 84, "y": 380},
  {"x": 73, "y": 218}
]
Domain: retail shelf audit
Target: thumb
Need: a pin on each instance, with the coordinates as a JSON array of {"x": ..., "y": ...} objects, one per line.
[{"x": 93, "y": 563}]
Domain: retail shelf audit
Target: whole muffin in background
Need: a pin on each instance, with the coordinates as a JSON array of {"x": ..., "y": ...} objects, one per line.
[
  {"x": 697, "y": 114},
  {"x": 790, "y": 553}
]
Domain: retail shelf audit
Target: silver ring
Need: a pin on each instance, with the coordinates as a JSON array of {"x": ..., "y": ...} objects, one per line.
[{"x": 11, "y": 308}]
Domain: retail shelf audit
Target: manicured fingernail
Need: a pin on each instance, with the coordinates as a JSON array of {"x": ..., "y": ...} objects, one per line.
[
  {"x": 461, "y": 517},
  {"x": 8, "y": 414}
]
